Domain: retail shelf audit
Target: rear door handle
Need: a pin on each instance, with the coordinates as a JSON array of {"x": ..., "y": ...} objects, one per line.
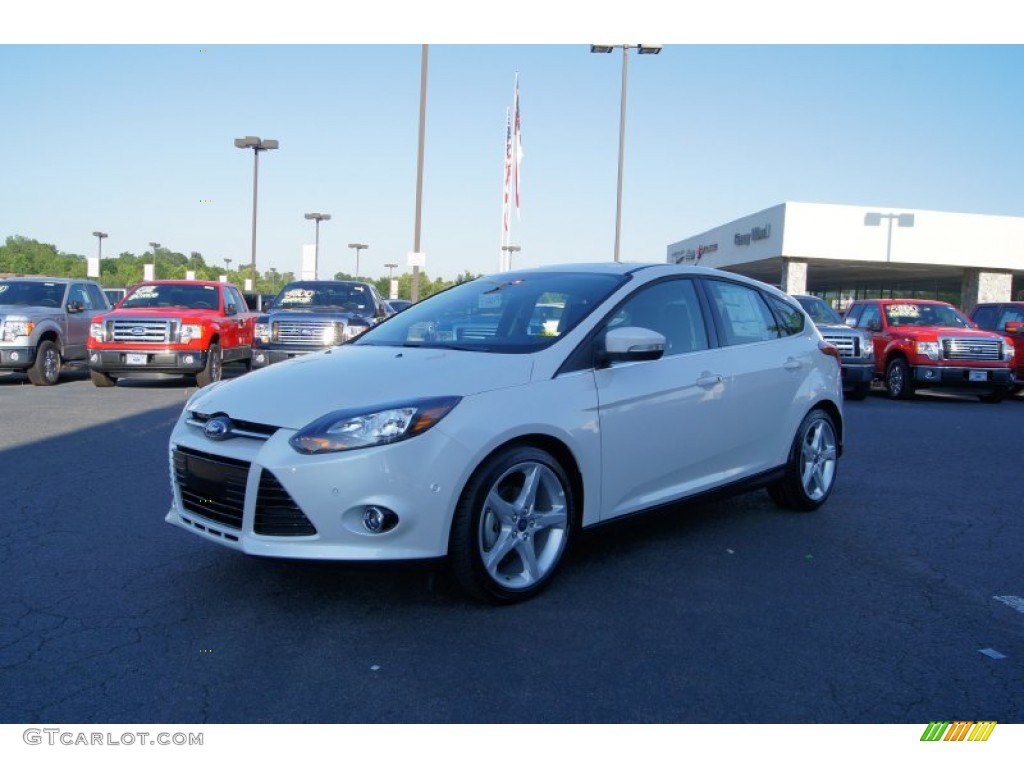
[
  {"x": 708, "y": 380},
  {"x": 792, "y": 364}
]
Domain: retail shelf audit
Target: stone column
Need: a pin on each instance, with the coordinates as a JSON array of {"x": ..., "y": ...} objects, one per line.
[
  {"x": 794, "y": 276},
  {"x": 980, "y": 286}
]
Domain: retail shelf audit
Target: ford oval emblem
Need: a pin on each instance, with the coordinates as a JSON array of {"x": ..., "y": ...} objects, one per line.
[
  {"x": 138, "y": 330},
  {"x": 218, "y": 428}
]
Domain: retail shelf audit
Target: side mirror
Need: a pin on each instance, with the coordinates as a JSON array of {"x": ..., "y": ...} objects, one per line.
[
  {"x": 874, "y": 326},
  {"x": 629, "y": 344},
  {"x": 75, "y": 307},
  {"x": 230, "y": 310},
  {"x": 1014, "y": 327}
]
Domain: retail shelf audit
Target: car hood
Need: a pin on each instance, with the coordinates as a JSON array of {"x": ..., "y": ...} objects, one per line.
[
  {"x": 837, "y": 328},
  {"x": 293, "y": 393},
  {"x": 30, "y": 313}
]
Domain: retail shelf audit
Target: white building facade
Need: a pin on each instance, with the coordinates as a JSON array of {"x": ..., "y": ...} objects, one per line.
[{"x": 843, "y": 252}]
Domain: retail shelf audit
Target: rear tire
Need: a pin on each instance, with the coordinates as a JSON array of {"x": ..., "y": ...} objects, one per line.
[
  {"x": 511, "y": 526},
  {"x": 101, "y": 379},
  {"x": 45, "y": 371},
  {"x": 214, "y": 367},
  {"x": 811, "y": 469}
]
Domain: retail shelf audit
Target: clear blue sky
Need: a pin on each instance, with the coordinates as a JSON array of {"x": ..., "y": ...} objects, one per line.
[{"x": 137, "y": 141}]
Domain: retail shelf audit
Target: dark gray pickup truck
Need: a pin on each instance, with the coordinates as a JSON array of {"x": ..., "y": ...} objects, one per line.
[
  {"x": 44, "y": 323},
  {"x": 313, "y": 315}
]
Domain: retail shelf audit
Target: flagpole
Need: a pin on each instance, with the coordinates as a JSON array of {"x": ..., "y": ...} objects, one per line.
[{"x": 506, "y": 177}]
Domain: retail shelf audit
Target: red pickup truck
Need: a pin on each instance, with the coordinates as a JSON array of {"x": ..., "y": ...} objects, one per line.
[
  {"x": 188, "y": 327},
  {"x": 921, "y": 343}
]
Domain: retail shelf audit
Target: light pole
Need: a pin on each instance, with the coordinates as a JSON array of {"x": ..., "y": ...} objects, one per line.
[
  {"x": 358, "y": 247},
  {"x": 641, "y": 48},
  {"x": 874, "y": 219},
  {"x": 415, "y": 292},
  {"x": 257, "y": 145},
  {"x": 154, "y": 246},
  {"x": 510, "y": 249},
  {"x": 317, "y": 217},
  {"x": 391, "y": 271},
  {"x": 99, "y": 238},
  {"x": 227, "y": 264}
]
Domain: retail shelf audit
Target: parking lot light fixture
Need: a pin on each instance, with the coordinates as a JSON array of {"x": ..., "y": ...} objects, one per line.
[
  {"x": 643, "y": 48},
  {"x": 510, "y": 249},
  {"x": 317, "y": 217},
  {"x": 358, "y": 247},
  {"x": 99, "y": 237},
  {"x": 257, "y": 145},
  {"x": 874, "y": 219}
]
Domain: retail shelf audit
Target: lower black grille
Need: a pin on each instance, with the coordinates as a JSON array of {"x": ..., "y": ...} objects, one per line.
[
  {"x": 277, "y": 514},
  {"x": 211, "y": 486}
]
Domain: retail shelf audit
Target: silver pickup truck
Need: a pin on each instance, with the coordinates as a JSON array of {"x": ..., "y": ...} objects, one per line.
[
  {"x": 44, "y": 322},
  {"x": 856, "y": 353}
]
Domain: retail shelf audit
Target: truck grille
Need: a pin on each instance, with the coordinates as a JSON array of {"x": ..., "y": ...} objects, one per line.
[
  {"x": 972, "y": 349},
  {"x": 211, "y": 486},
  {"x": 314, "y": 332},
  {"x": 142, "y": 331},
  {"x": 849, "y": 346}
]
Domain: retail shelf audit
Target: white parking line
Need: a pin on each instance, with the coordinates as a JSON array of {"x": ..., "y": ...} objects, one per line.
[{"x": 1017, "y": 603}]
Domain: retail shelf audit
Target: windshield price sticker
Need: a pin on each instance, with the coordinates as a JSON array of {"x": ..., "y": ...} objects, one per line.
[
  {"x": 903, "y": 310},
  {"x": 298, "y": 296},
  {"x": 146, "y": 290}
]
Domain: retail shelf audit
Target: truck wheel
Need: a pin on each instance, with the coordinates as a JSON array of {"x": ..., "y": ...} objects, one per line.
[
  {"x": 46, "y": 369},
  {"x": 995, "y": 396},
  {"x": 214, "y": 367},
  {"x": 101, "y": 379},
  {"x": 897, "y": 380}
]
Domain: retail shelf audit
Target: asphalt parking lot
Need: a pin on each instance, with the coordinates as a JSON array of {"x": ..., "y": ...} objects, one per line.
[{"x": 901, "y": 601}]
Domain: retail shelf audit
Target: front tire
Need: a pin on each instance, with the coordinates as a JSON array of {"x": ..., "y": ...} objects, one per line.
[
  {"x": 101, "y": 379},
  {"x": 511, "y": 526},
  {"x": 811, "y": 469},
  {"x": 214, "y": 367},
  {"x": 898, "y": 382},
  {"x": 45, "y": 371}
]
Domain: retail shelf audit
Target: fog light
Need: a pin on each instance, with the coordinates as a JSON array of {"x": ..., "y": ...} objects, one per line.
[
  {"x": 261, "y": 358},
  {"x": 379, "y": 520},
  {"x": 188, "y": 359},
  {"x": 929, "y": 374},
  {"x": 15, "y": 356},
  {"x": 94, "y": 357}
]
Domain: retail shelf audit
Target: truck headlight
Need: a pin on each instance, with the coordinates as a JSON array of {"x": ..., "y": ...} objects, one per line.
[
  {"x": 361, "y": 428},
  {"x": 929, "y": 349},
  {"x": 189, "y": 331},
  {"x": 353, "y": 329},
  {"x": 1008, "y": 350},
  {"x": 867, "y": 347},
  {"x": 96, "y": 332},
  {"x": 12, "y": 329},
  {"x": 262, "y": 332}
]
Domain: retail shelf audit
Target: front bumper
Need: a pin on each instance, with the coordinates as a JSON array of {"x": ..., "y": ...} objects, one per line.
[
  {"x": 127, "y": 361},
  {"x": 927, "y": 375},
  {"x": 857, "y": 373},
  {"x": 261, "y": 497},
  {"x": 17, "y": 358}
]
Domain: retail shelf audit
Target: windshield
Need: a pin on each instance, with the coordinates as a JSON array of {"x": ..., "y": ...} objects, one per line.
[
  {"x": 177, "y": 295},
  {"x": 943, "y": 315},
  {"x": 334, "y": 296},
  {"x": 514, "y": 312},
  {"x": 820, "y": 312},
  {"x": 16, "y": 293}
]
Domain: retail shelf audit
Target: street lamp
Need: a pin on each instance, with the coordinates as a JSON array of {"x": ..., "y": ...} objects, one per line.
[
  {"x": 358, "y": 247},
  {"x": 154, "y": 246},
  {"x": 391, "y": 270},
  {"x": 227, "y": 264},
  {"x": 257, "y": 145},
  {"x": 643, "y": 49},
  {"x": 510, "y": 249},
  {"x": 317, "y": 217},
  {"x": 874, "y": 219},
  {"x": 99, "y": 238}
]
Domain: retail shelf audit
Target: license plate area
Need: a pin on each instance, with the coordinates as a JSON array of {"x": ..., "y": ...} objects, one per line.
[
  {"x": 138, "y": 358},
  {"x": 978, "y": 376}
]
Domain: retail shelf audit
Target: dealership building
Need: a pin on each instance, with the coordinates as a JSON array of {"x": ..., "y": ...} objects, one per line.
[{"x": 847, "y": 252}]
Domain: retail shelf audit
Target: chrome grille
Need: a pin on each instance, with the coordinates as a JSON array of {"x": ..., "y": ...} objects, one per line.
[
  {"x": 972, "y": 349},
  {"x": 297, "y": 332},
  {"x": 211, "y": 486},
  {"x": 142, "y": 331},
  {"x": 849, "y": 346}
]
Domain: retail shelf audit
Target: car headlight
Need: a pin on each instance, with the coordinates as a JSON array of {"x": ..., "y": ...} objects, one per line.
[
  {"x": 929, "y": 349},
  {"x": 867, "y": 347},
  {"x": 187, "y": 332},
  {"x": 1008, "y": 350},
  {"x": 12, "y": 329},
  {"x": 361, "y": 428}
]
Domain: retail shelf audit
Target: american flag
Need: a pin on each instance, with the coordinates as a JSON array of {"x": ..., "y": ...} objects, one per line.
[
  {"x": 518, "y": 143},
  {"x": 508, "y": 169}
]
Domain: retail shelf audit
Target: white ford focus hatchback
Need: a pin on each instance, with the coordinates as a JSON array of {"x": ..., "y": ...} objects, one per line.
[{"x": 489, "y": 423}]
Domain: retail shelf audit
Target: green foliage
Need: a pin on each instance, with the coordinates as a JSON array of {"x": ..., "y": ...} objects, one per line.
[{"x": 24, "y": 256}]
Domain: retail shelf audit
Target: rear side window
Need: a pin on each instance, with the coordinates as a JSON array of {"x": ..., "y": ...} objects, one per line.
[
  {"x": 743, "y": 313},
  {"x": 791, "y": 320}
]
